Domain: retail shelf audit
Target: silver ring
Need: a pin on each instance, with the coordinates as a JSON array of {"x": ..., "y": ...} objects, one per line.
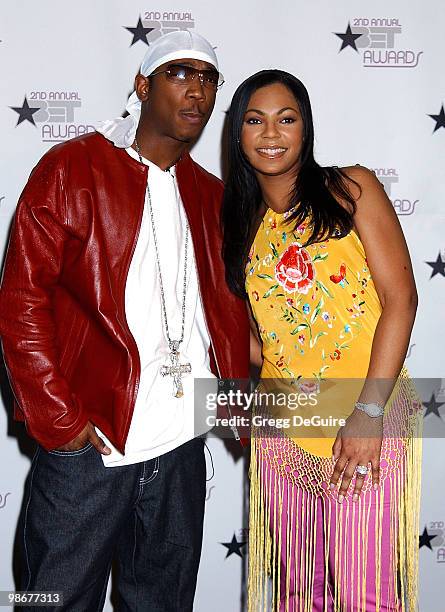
[{"x": 362, "y": 470}]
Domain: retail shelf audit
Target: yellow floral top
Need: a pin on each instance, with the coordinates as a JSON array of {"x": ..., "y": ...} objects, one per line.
[{"x": 316, "y": 307}]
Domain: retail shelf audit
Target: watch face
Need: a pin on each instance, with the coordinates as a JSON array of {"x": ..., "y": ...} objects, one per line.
[{"x": 373, "y": 410}]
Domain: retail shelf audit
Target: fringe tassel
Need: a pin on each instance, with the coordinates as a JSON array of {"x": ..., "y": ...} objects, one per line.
[{"x": 291, "y": 506}]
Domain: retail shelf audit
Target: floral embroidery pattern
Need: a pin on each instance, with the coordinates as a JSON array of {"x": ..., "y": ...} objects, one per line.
[
  {"x": 295, "y": 270},
  {"x": 341, "y": 277},
  {"x": 308, "y": 301}
]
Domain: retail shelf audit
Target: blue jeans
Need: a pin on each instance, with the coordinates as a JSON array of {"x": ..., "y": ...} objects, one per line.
[{"x": 79, "y": 516}]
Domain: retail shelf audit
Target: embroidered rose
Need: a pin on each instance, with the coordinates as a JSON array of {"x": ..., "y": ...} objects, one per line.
[
  {"x": 280, "y": 362},
  {"x": 295, "y": 270},
  {"x": 309, "y": 386}
]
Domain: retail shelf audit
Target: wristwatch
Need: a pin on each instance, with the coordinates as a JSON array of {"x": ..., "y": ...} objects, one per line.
[{"x": 373, "y": 409}]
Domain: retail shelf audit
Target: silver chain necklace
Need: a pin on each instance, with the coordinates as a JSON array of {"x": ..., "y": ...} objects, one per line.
[{"x": 175, "y": 369}]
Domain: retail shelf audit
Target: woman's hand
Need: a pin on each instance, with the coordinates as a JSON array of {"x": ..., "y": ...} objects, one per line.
[{"x": 358, "y": 442}]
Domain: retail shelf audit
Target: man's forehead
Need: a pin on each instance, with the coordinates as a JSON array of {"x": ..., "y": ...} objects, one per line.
[{"x": 187, "y": 61}]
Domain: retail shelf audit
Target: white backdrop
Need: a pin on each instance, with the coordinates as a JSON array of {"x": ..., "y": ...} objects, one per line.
[{"x": 73, "y": 64}]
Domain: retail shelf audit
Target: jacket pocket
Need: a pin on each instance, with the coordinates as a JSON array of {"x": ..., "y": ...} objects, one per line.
[{"x": 71, "y": 344}]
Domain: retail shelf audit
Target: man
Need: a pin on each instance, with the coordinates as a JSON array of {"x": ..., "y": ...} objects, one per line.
[{"x": 113, "y": 300}]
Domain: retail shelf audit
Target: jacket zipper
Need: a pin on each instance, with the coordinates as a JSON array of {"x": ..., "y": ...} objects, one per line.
[
  {"x": 129, "y": 334},
  {"x": 207, "y": 328},
  {"x": 178, "y": 191},
  {"x": 232, "y": 427}
]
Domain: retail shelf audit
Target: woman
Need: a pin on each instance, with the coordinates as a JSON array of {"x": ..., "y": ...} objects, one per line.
[{"x": 321, "y": 257}]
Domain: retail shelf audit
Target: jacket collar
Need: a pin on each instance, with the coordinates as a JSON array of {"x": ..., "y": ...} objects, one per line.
[
  {"x": 184, "y": 165},
  {"x": 188, "y": 185},
  {"x": 185, "y": 174}
]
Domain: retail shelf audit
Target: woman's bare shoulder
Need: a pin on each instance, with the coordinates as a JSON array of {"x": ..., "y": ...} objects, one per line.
[{"x": 362, "y": 180}]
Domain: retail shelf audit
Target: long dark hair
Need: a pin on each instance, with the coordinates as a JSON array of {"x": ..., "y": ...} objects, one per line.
[{"x": 316, "y": 192}]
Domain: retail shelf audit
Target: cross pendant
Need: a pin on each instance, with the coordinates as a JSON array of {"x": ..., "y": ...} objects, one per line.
[{"x": 176, "y": 370}]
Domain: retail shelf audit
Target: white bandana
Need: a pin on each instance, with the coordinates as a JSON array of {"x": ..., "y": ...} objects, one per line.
[{"x": 174, "y": 45}]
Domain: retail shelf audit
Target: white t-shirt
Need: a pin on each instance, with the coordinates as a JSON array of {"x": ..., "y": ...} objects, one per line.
[{"x": 162, "y": 422}]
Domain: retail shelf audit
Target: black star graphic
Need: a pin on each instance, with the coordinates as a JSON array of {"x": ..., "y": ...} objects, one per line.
[
  {"x": 425, "y": 539},
  {"x": 438, "y": 266},
  {"x": 348, "y": 38},
  {"x": 432, "y": 407},
  {"x": 439, "y": 119},
  {"x": 139, "y": 33},
  {"x": 25, "y": 112},
  {"x": 234, "y": 547}
]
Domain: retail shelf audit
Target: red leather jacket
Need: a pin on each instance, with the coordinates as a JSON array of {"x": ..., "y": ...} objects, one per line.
[{"x": 68, "y": 350}]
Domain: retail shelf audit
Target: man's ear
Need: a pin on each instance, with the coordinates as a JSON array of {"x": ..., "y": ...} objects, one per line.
[{"x": 141, "y": 87}]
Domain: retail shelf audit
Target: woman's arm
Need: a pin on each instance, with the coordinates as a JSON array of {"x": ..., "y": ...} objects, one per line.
[
  {"x": 256, "y": 357},
  {"x": 389, "y": 263}
]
